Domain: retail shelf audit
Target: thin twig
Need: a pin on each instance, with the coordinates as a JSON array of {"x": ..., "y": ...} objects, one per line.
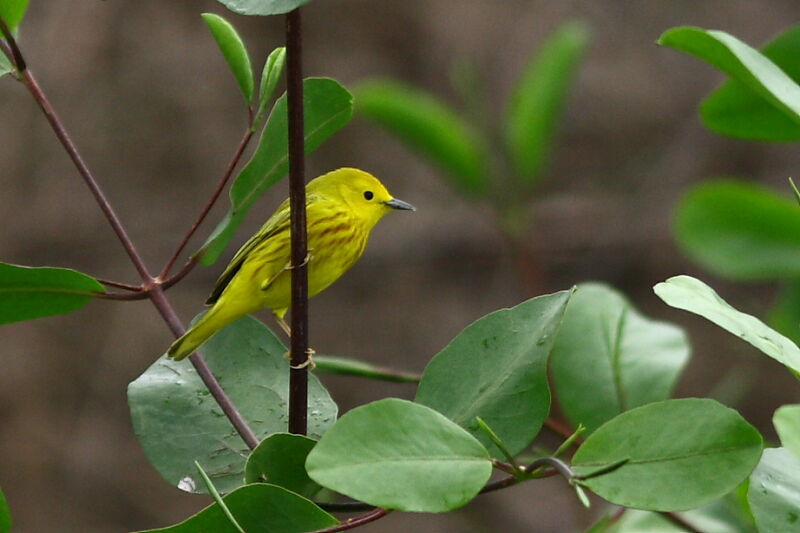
[
  {"x": 298, "y": 374},
  {"x": 190, "y": 264},
  {"x": 122, "y": 296},
  {"x": 214, "y": 197},
  {"x": 150, "y": 286},
  {"x": 160, "y": 301},
  {"x": 117, "y": 284},
  {"x": 355, "y": 522}
]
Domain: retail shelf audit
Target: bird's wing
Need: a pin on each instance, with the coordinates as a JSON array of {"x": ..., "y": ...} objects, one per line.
[{"x": 277, "y": 223}]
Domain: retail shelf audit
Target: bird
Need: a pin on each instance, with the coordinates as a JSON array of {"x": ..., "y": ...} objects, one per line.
[{"x": 342, "y": 208}]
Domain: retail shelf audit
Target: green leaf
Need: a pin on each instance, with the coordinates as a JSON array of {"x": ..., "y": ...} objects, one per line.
[
  {"x": 400, "y": 455},
  {"x": 774, "y": 493},
  {"x": 5, "y": 65},
  {"x": 737, "y": 111},
  {"x": 177, "y": 420},
  {"x": 327, "y": 107},
  {"x": 332, "y": 364},
  {"x": 785, "y": 313},
  {"x": 33, "y": 292},
  {"x": 721, "y": 516},
  {"x": 609, "y": 358},
  {"x": 787, "y": 423},
  {"x": 273, "y": 68},
  {"x": 259, "y": 508},
  {"x": 539, "y": 97},
  {"x": 5, "y": 514},
  {"x": 262, "y": 7},
  {"x": 742, "y": 63},
  {"x": 690, "y": 294},
  {"x": 497, "y": 369},
  {"x": 680, "y": 454},
  {"x": 12, "y": 11},
  {"x": 740, "y": 230},
  {"x": 280, "y": 459},
  {"x": 429, "y": 126},
  {"x": 234, "y": 52},
  {"x": 633, "y": 521}
]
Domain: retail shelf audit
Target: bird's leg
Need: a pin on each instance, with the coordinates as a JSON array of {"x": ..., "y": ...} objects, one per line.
[
  {"x": 284, "y": 326},
  {"x": 309, "y": 352}
]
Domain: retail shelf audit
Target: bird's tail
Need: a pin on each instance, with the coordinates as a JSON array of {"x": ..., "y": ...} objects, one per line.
[{"x": 209, "y": 324}]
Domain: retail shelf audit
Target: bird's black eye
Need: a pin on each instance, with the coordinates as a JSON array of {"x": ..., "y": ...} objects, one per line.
[{"x": 368, "y": 195}]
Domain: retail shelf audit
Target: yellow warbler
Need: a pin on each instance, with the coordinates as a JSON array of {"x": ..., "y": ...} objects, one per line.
[{"x": 342, "y": 207}]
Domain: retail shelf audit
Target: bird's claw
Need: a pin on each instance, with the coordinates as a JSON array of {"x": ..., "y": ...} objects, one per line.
[{"x": 309, "y": 362}]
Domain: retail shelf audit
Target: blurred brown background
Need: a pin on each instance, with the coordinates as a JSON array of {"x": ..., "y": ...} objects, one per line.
[{"x": 152, "y": 106}]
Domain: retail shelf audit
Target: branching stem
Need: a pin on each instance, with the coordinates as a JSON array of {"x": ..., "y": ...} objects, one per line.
[{"x": 151, "y": 287}]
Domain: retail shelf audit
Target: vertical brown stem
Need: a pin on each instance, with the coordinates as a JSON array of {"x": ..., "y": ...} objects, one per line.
[{"x": 298, "y": 376}]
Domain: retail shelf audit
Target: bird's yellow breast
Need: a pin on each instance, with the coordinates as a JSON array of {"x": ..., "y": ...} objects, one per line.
[{"x": 336, "y": 239}]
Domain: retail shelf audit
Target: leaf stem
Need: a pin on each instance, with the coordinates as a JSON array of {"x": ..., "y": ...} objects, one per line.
[
  {"x": 248, "y": 135},
  {"x": 217, "y": 498},
  {"x": 298, "y": 375}
]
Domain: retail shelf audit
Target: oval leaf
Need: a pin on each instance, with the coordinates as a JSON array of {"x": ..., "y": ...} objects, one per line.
[
  {"x": 496, "y": 369},
  {"x": 736, "y": 111},
  {"x": 234, "y": 52},
  {"x": 429, "y": 126},
  {"x": 740, "y": 231},
  {"x": 787, "y": 423},
  {"x": 774, "y": 493},
  {"x": 609, "y": 358},
  {"x": 12, "y": 11},
  {"x": 327, "y": 107},
  {"x": 690, "y": 294},
  {"x": 177, "y": 420},
  {"x": 400, "y": 455},
  {"x": 280, "y": 460},
  {"x": 262, "y": 7},
  {"x": 273, "y": 68},
  {"x": 538, "y": 99},
  {"x": 258, "y": 508},
  {"x": 742, "y": 63},
  {"x": 680, "y": 454},
  {"x": 33, "y": 292}
]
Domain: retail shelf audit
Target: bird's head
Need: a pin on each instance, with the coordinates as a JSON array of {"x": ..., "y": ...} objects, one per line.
[{"x": 362, "y": 192}]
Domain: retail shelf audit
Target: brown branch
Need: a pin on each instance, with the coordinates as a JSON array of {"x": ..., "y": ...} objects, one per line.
[
  {"x": 298, "y": 374},
  {"x": 122, "y": 296},
  {"x": 190, "y": 264},
  {"x": 210, "y": 204},
  {"x": 151, "y": 286},
  {"x": 351, "y": 523},
  {"x": 127, "y": 287},
  {"x": 160, "y": 301}
]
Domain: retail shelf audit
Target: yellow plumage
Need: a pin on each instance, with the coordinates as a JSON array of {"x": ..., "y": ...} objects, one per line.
[{"x": 342, "y": 207}]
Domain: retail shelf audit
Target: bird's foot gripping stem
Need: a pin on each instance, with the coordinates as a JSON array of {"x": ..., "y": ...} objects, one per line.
[{"x": 307, "y": 363}]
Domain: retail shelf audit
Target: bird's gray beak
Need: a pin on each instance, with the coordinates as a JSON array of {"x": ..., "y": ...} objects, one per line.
[{"x": 394, "y": 203}]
